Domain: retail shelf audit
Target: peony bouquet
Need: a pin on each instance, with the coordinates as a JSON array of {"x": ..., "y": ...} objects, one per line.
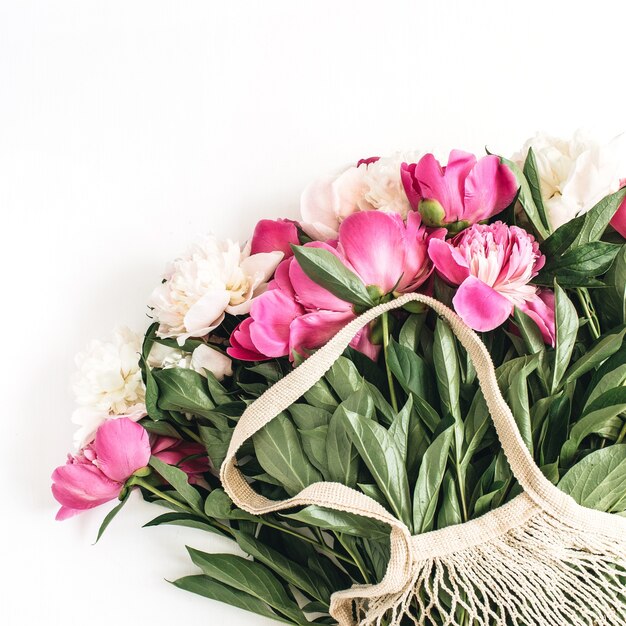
[{"x": 528, "y": 251}]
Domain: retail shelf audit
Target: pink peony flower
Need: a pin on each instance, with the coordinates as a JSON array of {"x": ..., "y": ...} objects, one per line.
[
  {"x": 274, "y": 235},
  {"x": 619, "y": 219},
  {"x": 460, "y": 194},
  {"x": 98, "y": 473},
  {"x": 493, "y": 265},
  {"x": 297, "y": 314},
  {"x": 186, "y": 455}
]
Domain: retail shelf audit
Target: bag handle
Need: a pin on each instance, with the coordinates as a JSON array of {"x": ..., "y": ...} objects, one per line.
[{"x": 337, "y": 496}]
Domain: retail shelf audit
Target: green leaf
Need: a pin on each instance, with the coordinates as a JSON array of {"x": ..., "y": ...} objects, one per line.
[
  {"x": 597, "y": 219},
  {"x": 429, "y": 479},
  {"x": 577, "y": 266},
  {"x": 186, "y": 391},
  {"x": 450, "y": 510},
  {"x": 320, "y": 395},
  {"x": 409, "y": 369},
  {"x": 325, "y": 269},
  {"x": 566, "y": 319},
  {"x": 447, "y": 369},
  {"x": 152, "y": 390},
  {"x": 601, "y": 350},
  {"x": 383, "y": 459},
  {"x": 399, "y": 429},
  {"x": 410, "y": 331},
  {"x": 179, "y": 481},
  {"x": 555, "y": 429},
  {"x": 534, "y": 184},
  {"x": 484, "y": 503},
  {"x": 215, "y": 590},
  {"x": 584, "y": 229},
  {"x": 340, "y": 522},
  {"x": 289, "y": 570},
  {"x": 183, "y": 519},
  {"x": 343, "y": 458},
  {"x": 219, "y": 505},
  {"x": 344, "y": 378},
  {"x": 314, "y": 445},
  {"x": 611, "y": 374},
  {"x": 216, "y": 443},
  {"x": 614, "y": 298},
  {"x": 526, "y": 199},
  {"x": 308, "y": 417},
  {"x": 111, "y": 514},
  {"x": 249, "y": 577},
  {"x": 279, "y": 452},
  {"x": 598, "y": 480}
]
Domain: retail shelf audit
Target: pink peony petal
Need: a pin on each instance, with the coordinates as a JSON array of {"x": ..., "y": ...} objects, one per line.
[
  {"x": 446, "y": 185},
  {"x": 373, "y": 242},
  {"x": 313, "y": 330},
  {"x": 274, "y": 235},
  {"x": 81, "y": 486},
  {"x": 241, "y": 346},
  {"x": 489, "y": 189},
  {"x": 122, "y": 447},
  {"x": 449, "y": 265},
  {"x": 410, "y": 184},
  {"x": 481, "y": 307},
  {"x": 309, "y": 293},
  {"x": 541, "y": 310},
  {"x": 273, "y": 313},
  {"x": 417, "y": 264},
  {"x": 618, "y": 221}
]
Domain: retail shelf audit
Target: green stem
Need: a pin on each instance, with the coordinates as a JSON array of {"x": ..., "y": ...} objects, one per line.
[
  {"x": 622, "y": 434},
  {"x": 355, "y": 557},
  {"x": 192, "y": 435},
  {"x": 322, "y": 546},
  {"x": 392, "y": 390},
  {"x": 462, "y": 495},
  {"x": 590, "y": 313}
]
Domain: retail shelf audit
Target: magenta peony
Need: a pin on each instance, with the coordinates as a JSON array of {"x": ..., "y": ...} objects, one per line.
[
  {"x": 462, "y": 193},
  {"x": 273, "y": 236},
  {"x": 297, "y": 314},
  {"x": 98, "y": 472},
  {"x": 493, "y": 266}
]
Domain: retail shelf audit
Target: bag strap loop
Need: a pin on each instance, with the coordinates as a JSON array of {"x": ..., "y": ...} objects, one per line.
[{"x": 337, "y": 496}]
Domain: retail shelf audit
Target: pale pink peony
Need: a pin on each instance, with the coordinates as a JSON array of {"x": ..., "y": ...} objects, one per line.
[
  {"x": 373, "y": 184},
  {"x": 97, "y": 474},
  {"x": 465, "y": 191},
  {"x": 297, "y": 314},
  {"x": 493, "y": 266}
]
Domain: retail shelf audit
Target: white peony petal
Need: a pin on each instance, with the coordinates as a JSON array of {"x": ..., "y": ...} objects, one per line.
[
  {"x": 207, "y": 313},
  {"x": 207, "y": 358},
  {"x": 259, "y": 268}
]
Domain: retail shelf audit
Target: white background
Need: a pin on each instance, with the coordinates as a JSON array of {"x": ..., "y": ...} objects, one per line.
[{"x": 127, "y": 128}]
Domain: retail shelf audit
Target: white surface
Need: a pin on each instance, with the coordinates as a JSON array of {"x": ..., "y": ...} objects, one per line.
[{"x": 126, "y": 128}]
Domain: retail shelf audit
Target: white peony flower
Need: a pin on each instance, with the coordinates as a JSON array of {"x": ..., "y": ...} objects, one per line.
[
  {"x": 326, "y": 202},
  {"x": 213, "y": 278},
  {"x": 201, "y": 359},
  {"x": 575, "y": 174},
  {"x": 108, "y": 383}
]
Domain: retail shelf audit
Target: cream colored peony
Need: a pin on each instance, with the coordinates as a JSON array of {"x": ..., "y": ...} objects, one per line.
[
  {"x": 201, "y": 359},
  {"x": 108, "y": 383},
  {"x": 214, "y": 277},
  {"x": 326, "y": 202},
  {"x": 575, "y": 174}
]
